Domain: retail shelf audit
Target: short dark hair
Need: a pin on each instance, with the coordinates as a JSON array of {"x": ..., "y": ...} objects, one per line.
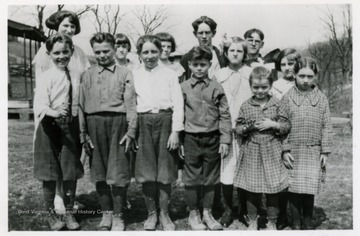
[
  {"x": 166, "y": 37},
  {"x": 306, "y": 62},
  {"x": 261, "y": 72},
  {"x": 57, "y": 37},
  {"x": 56, "y": 18},
  {"x": 148, "y": 38},
  {"x": 121, "y": 38},
  {"x": 199, "y": 53},
  {"x": 204, "y": 19},
  {"x": 254, "y": 30},
  {"x": 236, "y": 39},
  {"x": 290, "y": 53},
  {"x": 102, "y": 37}
]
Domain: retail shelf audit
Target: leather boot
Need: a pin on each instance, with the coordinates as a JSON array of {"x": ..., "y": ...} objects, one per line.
[
  {"x": 106, "y": 221},
  {"x": 209, "y": 220},
  {"x": 195, "y": 220},
  {"x": 165, "y": 221},
  {"x": 118, "y": 223}
]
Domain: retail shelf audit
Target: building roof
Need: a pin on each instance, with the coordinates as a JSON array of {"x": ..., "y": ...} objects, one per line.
[{"x": 31, "y": 32}]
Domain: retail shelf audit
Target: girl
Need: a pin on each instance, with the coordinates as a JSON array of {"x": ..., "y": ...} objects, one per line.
[
  {"x": 57, "y": 147},
  {"x": 65, "y": 22},
  {"x": 123, "y": 47},
  {"x": 309, "y": 141},
  {"x": 285, "y": 63},
  {"x": 160, "y": 118},
  {"x": 261, "y": 124},
  {"x": 168, "y": 46},
  {"x": 235, "y": 81}
]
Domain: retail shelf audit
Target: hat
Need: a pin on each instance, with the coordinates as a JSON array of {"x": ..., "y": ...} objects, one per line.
[
  {"x": 273, "y": 56},
  {"x": 56, "y": 18}
]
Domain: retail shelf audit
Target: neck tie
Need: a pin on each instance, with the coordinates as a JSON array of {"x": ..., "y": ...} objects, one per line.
[{"x": 70, "y": 89}]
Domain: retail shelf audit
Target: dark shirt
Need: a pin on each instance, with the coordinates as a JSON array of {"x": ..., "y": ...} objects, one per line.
[
  {"x": 109, "y": 89},
  {"x": 206, "y": 108}
]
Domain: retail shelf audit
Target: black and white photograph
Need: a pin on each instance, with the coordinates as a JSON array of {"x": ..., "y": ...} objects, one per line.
[{"x": 180, "y": 116}]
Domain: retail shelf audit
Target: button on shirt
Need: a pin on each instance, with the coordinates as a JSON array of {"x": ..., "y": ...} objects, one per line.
[
  {"x": 206, "y": 108},
  {"x": 159, "y": 89},
  {"x": 52, "y": 90},
  {"x": 108, "y": 89}
]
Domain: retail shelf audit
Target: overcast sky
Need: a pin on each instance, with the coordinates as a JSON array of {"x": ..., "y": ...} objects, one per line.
[{"x": 283, "y": 25}]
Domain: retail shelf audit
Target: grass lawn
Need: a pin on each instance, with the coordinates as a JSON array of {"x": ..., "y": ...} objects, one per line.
[{"x": 333, "y": 208}]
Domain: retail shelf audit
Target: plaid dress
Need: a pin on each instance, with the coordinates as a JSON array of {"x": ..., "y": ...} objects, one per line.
[
  {"x": 259, "y": 166},
  {"x": 310, "y": 136}
]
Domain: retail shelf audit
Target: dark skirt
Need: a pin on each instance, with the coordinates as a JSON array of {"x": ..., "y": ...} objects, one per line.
[
  {"x": 108, "y": 161},
  {"x": 57, "y": 150},
  {"x": 154, "y": 162}
]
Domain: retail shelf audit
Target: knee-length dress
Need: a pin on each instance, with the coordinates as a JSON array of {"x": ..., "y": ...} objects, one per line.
[
  {"x": 259, "y": 167},
  {"x": 237, "y": 90},
  {"x": 309, "y": 137}
]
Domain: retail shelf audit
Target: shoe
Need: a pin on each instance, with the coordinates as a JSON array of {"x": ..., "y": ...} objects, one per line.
[
  {"x": 226, "y": 219},
  {"x": 282, "y": 223},
  {"x": 106, "y": 221},
  {"x": 165, "y": 221},
  {"x": 209, "y": 220},
  {"x": 71, "y": 222},
  {"x": 151, "y": 221},
  {"x": 55, "y": 221},
  {"x": 195, "y": 221},
  {"x": 118, "y": 223},
  {"x": 253, "y": 224},
  {"x": 307, "y": 225},
  {"x": 244, "y": 219},
  {"x": 271, "y": 225}
]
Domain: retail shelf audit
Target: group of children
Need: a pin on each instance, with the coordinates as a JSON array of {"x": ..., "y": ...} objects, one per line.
[{"x": 221, "y": 117}]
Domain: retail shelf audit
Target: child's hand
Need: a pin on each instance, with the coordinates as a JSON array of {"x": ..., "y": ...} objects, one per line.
[
  {"x": 223, "y": 150},
  {"x": 62, "y": 110},
  {"x": 134, "y": 146},
  {"x": 127, "y": 140},
  {"x": 88, "y": 147},
  {"x": 181, "y": 152},
  {"x": 323, "y": 159},
  {"x": 288, "y": 160},
  {"x": 173, "y": 142},
  {"x": 265, "y": 124}
]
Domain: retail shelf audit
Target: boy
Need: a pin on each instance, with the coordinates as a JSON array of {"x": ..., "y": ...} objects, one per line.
[
  {"x": 205, "y": 30},
  {"x": 108, "y": 118},
  {"x": 57, "y": 147},
  {"x": 206, "y": 139}
]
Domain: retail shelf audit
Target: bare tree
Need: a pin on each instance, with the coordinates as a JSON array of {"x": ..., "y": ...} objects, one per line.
[
  {"x": 107, "y": 18},
  {"x": 340, "y": 39},
  {"x": 149, "y": 19},
  {"x": 40, "y": 16}
]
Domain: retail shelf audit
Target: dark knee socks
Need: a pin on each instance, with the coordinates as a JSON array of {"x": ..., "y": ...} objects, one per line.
[
  {"x": 253, "y": 204},
  {"x": 150, "y": 195},
  {"x": 308, "y": 205},
  {"x": 209, "y": 193},
  {"x": 295, "y": 207},
  {"x": 192, "y": 198},
  {"x": 69, "y": 188},
  {"x": 227, "y": 191},
  {"x": 241, "y": 194},
  {"x": 272, "y": 206},
  {"x": 283, "y": 202},
  {"x": 164, "y": 195},
  {"x": 49, "y": 188},
  {"x": 118, "y": 195},
  {"x": 104, "y": 193}
]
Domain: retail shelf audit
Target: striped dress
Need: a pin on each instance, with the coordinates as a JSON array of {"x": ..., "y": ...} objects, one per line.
[
  {"x": 309, "y": 137},
  {"x": 259, "y": 166}
]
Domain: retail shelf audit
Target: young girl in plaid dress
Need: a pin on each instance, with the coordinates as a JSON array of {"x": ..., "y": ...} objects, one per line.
[
  {"x": 310, "y": 141},
  {"x": 261, "y": 124}
]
